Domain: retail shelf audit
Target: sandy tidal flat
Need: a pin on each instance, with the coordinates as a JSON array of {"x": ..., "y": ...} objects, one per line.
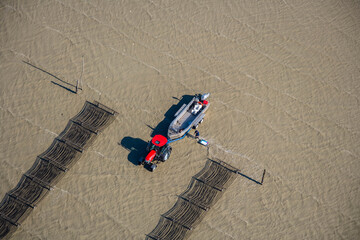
[{"x": 285, "y": 97}]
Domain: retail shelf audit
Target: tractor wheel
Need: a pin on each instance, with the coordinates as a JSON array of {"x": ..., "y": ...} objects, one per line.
[
  {"x": 166, "y": 156},
  {"x": 153, "y": 167}
]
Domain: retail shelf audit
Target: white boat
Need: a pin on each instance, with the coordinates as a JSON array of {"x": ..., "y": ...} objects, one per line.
[{"x": 188, "y": 116}]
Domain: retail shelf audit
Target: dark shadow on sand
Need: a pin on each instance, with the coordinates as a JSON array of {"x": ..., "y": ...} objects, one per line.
[
  {"x": 64, "y": 82},
  {"x": 245, "y": 176},
  {"x": 136, "y": 147},
  {"x": 63, "y": 87}
]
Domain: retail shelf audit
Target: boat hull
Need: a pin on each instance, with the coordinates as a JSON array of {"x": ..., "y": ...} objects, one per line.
[{"x": 187, "y": 117}]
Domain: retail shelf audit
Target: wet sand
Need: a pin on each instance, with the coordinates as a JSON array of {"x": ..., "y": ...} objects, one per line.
[{"x": 284, "y": 84}]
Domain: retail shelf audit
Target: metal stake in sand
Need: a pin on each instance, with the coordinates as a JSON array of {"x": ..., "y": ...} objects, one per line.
[
  {"x": 262, "y": 179},
  {"x": 79, "y": 82}
]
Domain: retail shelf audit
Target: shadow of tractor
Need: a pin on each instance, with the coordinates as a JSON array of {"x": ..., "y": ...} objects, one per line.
[{"x": 136, "y": 147}]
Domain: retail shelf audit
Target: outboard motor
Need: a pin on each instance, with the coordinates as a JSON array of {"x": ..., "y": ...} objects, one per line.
[{"x": 205, "y": 96}]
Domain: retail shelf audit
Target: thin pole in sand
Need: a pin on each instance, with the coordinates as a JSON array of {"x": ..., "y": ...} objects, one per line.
[
  {"x": 79, "y": 82},
  {"x": 262, "y": 179}
]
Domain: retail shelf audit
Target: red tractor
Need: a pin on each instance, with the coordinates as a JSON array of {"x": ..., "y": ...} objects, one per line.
[{"x": 158, "y": 149}]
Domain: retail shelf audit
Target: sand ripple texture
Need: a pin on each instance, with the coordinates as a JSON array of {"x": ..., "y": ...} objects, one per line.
[{"x": 285, "y": 96}]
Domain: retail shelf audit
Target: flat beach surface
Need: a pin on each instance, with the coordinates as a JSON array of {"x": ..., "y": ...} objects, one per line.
[{"x": 284, "y": 78}]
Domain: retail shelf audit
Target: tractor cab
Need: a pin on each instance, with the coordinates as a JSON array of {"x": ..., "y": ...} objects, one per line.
[{"x": 158, "y": 149}]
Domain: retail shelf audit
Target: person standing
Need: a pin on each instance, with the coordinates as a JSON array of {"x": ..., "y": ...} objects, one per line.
[{"x": 197, "y": 134}]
